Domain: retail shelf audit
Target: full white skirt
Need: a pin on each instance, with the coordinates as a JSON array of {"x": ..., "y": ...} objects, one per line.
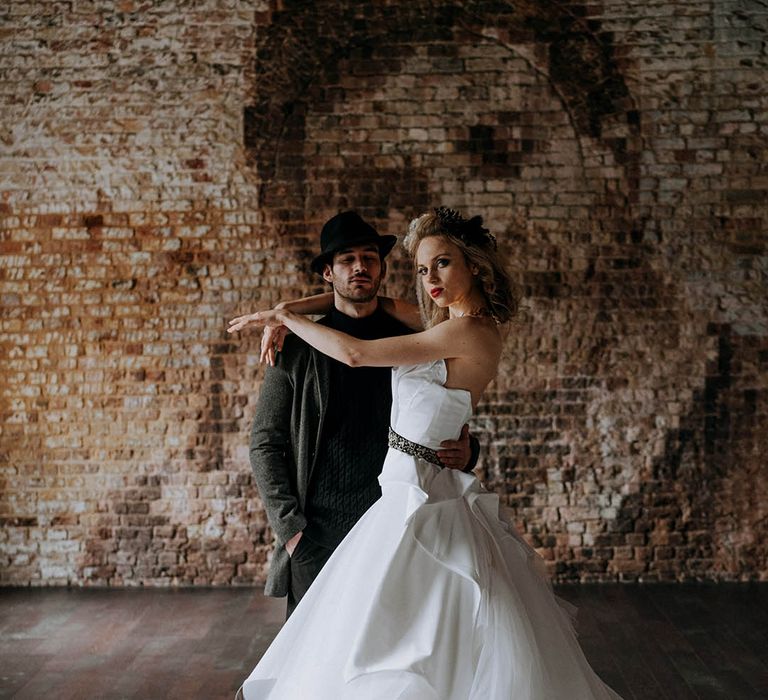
[{"x": 433, "y": 595}]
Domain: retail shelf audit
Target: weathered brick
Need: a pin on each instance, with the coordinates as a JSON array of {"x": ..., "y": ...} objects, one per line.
[{"x": 141, "y": 210}]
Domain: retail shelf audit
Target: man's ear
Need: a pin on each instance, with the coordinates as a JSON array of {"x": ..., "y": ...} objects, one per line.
[{"x": 328, "y": 273}]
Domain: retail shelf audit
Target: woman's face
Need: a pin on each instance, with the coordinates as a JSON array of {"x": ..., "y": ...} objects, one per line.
[{"x": 444, "y": 272}]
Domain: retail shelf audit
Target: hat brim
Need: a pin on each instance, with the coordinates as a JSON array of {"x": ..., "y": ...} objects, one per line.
[{"x": 385, "y": 243}]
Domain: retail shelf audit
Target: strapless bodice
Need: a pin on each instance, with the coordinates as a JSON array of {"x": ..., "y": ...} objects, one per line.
[{"x": 424, "y": 410}]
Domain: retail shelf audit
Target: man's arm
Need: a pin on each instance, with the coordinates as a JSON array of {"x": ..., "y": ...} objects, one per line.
[
  {"x": 271, "y": 455},
  {"x": 408, "y": 314},
  {"x": 462, "y": 453},
  {"x": 474, "y": 446}
]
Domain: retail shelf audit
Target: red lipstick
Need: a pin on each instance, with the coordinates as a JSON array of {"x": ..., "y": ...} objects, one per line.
[{"x": 436, "y": 292}]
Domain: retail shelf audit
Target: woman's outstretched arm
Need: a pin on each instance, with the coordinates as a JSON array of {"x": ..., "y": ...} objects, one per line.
[
  {"x": 316, "y": 304},
  {"x": 274, "y": 335},
  {"x": 452, "y": 338},
  {"x": 403, "y": 311}
]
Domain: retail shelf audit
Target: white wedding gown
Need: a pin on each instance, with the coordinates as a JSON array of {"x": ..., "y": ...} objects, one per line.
[{"x": 433, "y": 595}]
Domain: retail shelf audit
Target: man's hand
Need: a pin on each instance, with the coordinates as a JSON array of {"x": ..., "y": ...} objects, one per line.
[
  {"x": 291, "y": 544},
  {"x": 455, "y": 454}
]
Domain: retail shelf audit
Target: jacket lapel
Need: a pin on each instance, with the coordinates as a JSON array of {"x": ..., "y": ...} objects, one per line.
[{"x": 322, "y": 386}]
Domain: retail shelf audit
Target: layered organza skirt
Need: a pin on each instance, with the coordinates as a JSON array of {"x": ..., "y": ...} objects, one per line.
[{"x": 432, "y": 596}]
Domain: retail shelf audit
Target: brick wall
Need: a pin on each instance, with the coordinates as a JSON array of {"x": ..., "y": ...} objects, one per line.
[{"x": 165, "y": 166}]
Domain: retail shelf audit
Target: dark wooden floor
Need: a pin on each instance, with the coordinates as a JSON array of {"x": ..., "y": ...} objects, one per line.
[{"x": 648, "y": 642}]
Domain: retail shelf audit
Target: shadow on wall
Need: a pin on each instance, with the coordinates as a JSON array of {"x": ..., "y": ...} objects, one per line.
[
  {"x": 706, "y": 501},
  {"x": 347, "y": 99}
]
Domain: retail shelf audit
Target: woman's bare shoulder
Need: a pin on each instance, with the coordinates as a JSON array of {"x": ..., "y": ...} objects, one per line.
[
  {"x": 473, "y": 324},
  {"x": 479, "y": 331}
]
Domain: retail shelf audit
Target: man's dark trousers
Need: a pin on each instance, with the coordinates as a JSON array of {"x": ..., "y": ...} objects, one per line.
[{"x": 306, "y": 561}]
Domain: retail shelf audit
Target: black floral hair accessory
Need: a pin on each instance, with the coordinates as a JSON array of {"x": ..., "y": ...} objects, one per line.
[{"x": 470, "y": 231}]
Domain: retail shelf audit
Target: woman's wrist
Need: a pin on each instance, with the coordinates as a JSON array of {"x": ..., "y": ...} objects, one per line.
[
  {"x": 308, "y": 306},
  {"x": 284, "y": 315}
]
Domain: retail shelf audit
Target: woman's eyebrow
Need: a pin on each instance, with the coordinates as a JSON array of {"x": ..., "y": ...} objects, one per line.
[{"x": 439, "y": 255}]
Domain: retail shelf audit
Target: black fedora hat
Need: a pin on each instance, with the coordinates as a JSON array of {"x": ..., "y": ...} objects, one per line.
[{"x": 345, "y": 230}]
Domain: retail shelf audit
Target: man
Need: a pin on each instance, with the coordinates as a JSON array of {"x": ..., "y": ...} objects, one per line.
[{"x": 319, "y": 437}]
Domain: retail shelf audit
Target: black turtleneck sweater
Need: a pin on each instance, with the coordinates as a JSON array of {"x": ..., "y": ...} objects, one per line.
[{"x": 344, "y": 481}]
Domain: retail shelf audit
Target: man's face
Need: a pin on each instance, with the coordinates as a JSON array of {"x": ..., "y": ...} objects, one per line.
[{"x": 356, "y": 272}]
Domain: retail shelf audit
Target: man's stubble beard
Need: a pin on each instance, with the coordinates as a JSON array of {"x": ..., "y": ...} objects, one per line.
[{"x": 357, "y": 297}]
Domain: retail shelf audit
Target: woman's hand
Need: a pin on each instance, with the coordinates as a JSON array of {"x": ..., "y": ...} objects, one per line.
[
  {"x": 274, "y": 331},
  {"x": 270, "y": 318},
  {"x": 272, "y": 343}
]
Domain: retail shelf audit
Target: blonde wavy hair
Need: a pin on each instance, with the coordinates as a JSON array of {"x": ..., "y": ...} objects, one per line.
[{"x": 502, "y": 296}]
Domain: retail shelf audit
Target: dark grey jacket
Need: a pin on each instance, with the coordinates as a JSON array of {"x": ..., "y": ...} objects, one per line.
[{"x": 284, "y": 442}]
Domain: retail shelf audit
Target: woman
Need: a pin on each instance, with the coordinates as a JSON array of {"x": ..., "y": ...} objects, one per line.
[{"x": 433, "y": 595}]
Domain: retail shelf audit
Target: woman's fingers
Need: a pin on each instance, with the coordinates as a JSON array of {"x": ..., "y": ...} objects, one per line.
[
  {"x": 241, "y": 322},
  {"x": 267, "y": 347},
  {"x": 271, "y": 342},
  {"x": 282, "y": 331},
  {"x": 268, "y": 319}
]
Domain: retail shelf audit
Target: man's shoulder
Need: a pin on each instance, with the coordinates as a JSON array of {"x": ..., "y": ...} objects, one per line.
[
  {"x": 391, "y": 326},
  {"x": 294, "y": 349},
  {"x": 292, "y": 365},
  {"x": 296, "y": 353}
]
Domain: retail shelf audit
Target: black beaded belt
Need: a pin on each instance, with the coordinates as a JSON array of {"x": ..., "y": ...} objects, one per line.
[{"x": 401, "y": 444}]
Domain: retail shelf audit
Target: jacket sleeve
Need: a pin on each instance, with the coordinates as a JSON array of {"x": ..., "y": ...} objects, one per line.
[
  {"x": 474, "y": 455},
  {"x": 271, "y": 455}
]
